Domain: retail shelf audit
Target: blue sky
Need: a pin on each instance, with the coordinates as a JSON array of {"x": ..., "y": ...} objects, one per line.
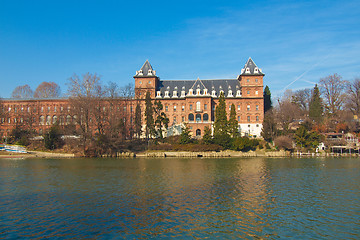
[{"x": 294, "y": 42}]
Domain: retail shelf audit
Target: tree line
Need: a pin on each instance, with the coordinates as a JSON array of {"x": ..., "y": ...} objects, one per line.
[{"x": 303, "y": 116}]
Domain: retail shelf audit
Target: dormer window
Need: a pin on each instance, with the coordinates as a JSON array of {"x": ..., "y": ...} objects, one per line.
[
  {"x": 238, "y": 93},
  {"x": 256, "y": 70},
  {"x": 158, "y": 94},
  {"x": 167, "y": 94},
  {"x": 247, "y": 70},
  {"x": 140, "y": 72},
  {"x": 205, "y": 91},
  {"x": 230, "y": 93},
  {"x": 150, "y": 72},
  {"x": 175, "y": 94},
  {"x": 213, "y": 93},
  {"x": 198, "y": 91},
  {"x": 191, "y": 91},
  {"x": 221, "y": 91},
  {"x": 183, "y": 93}
]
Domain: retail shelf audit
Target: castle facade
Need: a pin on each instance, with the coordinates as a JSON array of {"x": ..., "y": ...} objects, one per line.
[{"x": 185, "y": 101}]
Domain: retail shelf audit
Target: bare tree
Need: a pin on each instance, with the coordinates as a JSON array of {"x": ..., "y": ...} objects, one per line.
[
  {"x": 23, "y": 91},
  {"x": 112, "y": 90},
  {"x": 47, "y": 90},
  {"x": 302, "y": 98},
  {"x": 333, "y": 91},
  {"x": 286, "y": 113},
  {"x": 353, "y": 97},
  {"x": 127, "y": 91},
  {"x": 84, "y": 97}
]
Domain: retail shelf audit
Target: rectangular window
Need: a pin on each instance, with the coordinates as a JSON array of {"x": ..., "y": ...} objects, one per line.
[
  {"x": 238, "y": 118},
  {"x": 124, "y": 108},
  {"x": 248, "y": 92},
  {"x": 248, "y": 118},
  {"x": 174, "y": 120},
  {"x": 205, "y": 106},
  {"x": 256, "y": 92},
  {"x": 174, "y": 108},
  {"x": 166, "y": 108},
  {"x": 256, "y": 80},
  {"x": 257, "y": 107},
  {"x": 183, "y": 108},
  {"x": 248, "y": 107},
  {"x": 48, "y": 109},
  {"x": 238, "y": 107},
  {"x": 42, "y": 109},
  {"x": 257, "y": 118},
  {"x": 183, "y": 119},
  {"x": 55, "y": 108},
  {"x": 190, "y": 106},
  {"x": 15, "y": 109}
]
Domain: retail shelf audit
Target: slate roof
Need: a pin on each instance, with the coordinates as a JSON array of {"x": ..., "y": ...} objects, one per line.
[
  {"x": 210, "y": 85},
  {"x": 250, "y": 68},
  {"x": 144, "y": 71}
]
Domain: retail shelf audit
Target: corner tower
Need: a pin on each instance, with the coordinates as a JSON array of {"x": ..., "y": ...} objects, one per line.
[
  {"x": 145, "y": 81},
  {"x": 251, "y": 80}
]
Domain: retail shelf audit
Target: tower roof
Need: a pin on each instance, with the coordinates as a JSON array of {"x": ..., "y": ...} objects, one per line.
[
  {"x": 146, "y": 71},
  {"x": 250, "y": 68}
]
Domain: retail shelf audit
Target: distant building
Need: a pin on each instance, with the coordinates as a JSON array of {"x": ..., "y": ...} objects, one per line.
[{"x": 185, "y": 101}]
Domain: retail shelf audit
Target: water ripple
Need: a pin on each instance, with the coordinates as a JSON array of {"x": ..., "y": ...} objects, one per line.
[{"x": 180, "y": 198}]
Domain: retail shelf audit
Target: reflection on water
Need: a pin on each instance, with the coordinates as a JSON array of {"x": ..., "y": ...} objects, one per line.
[{"x": 181, "y": 198}]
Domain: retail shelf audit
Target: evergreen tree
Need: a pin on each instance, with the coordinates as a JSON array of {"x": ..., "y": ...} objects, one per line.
[
  {"x": 207, "y": 138},
  {"x": 221, "y": 123},
  {"x": 233, "y": 123},
  {"x": 306, "y": 138},
  {"x": 161, "y": 121},
  {"x": 138, "y": 121},
  {"x": 52, "y": 139},
  {"x": 267, "y": 99},
  {"x": 185, "y": 136},
  {"x": 315, "y": 105},
  {"x": 221, "y": 130},
  {"x": 149, "y": 116}
]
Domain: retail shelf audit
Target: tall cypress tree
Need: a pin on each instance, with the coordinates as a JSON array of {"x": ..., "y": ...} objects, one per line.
[
  {"x": 221, "y": 130},
  {"x": 267, "y": 99},
  {"x": 138, "y": 120},
  {"x": 221, "y": 123},
  {"x": 315, "y": 105},
  {"x": 149, "y": 116},
  {"x": 233, "y": 123}
]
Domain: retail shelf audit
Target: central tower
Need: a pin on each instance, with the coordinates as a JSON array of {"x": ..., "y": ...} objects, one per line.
[{"x": 145, "y": 81}]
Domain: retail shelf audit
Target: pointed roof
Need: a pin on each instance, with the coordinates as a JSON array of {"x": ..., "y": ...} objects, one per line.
[
  {"x": 250, "y": 68},
  {"x": 146, "y": 70}
]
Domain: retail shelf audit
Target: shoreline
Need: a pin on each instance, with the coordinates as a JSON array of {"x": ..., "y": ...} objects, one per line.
[{"x": 180, "y": 154}]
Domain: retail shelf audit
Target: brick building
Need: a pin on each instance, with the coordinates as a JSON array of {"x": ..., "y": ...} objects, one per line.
[{"x": 185, "y": 101}]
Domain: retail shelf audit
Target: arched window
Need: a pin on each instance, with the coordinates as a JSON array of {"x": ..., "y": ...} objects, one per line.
[
  {"x": 198, "y": 132},
  {"x": 68, "y": 119},
  {"x": 48, "y": 120},
  {"x": 205, "y": 117},
  {"x": 198, "y": 106},
  {"x": 42, "y": 120},
  {"x": 75, "y": 119},
  {"x": 191, "y": 117},
  {"x": 198, "y": 117},
  {"x": 54, "y": 119},
  {"x": 61, "y": 120}
]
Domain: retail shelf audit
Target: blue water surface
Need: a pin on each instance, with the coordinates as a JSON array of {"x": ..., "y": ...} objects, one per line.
[{"x": 249, "y": 198}]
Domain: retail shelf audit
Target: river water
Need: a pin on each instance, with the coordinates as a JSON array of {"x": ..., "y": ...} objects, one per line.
[{"x": 251, "y": 198}]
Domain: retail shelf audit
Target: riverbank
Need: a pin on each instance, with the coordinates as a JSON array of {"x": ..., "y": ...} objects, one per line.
[
  {"x": 213, "y": 154},
  {"x": 36, "y": 154}
]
